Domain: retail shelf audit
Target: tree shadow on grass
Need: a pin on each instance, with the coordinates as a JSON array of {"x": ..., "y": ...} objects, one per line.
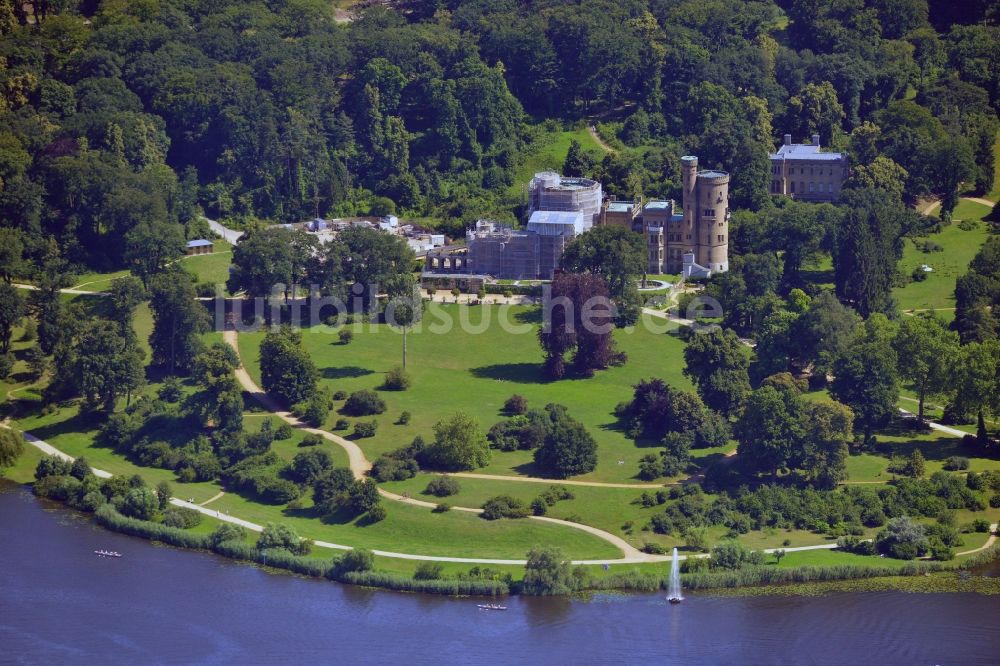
[
  {"x": 345, "y": 372},
  {"x": 78, "y": 423},
  {"x": 342, "y": 516},
  {"x": 530, "y": 469},
  {"x": 520, "y": 373}
]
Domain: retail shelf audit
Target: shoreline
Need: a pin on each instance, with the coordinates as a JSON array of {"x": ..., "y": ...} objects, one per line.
[{"x": 915, "y": 576}]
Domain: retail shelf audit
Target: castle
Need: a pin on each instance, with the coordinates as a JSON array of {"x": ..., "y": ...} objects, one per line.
[{"x": 693, "y": 241}]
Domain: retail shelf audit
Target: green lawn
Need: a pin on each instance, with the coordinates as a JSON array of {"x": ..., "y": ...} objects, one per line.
[
  {"x": 549, "y": 153},
  {"x": 23, "y": 469},
  {"x": 938, "y": 290},
  {"x": 211, "y": 268},
  {"x": 476, "y": 372},
  {"x": 97, "y": 281},
  {"x": 410, "y": 529}
]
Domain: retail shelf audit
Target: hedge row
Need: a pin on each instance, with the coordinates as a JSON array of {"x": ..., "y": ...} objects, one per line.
[
  {"x": 750, "y": 576},
  {"x": 468, "y": 587},
  {"x": 108, "y": 517}
]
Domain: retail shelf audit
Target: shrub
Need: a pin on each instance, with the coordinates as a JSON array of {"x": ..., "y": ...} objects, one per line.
[
  {"x": 516, "y": 404},
  {"x": 181, "y": 517},
  {"x": 355, "y": 560},
  {"x": 568, "y": 448},
  {"x": 363, "y": 429},
  {"x": 653, "y": 548},
  {"x": 734, "y": 555},
  {"x": 364, "y": 403},
  {"x": 342, "y": 424},
  {"x": 274, "y": 490},
  {"x": 340, "y": 395},
  {"x": 476, "y": 587},
  {"x": 442, "y": 507},
  {"x": 345, "y": 335},
  {"x": 548, "y": 572},
  {"x": 428, "y": 571},
  {"x": 227, "y": 532},
  {"x": 539, "y": 507},
  {"x": 109, "y": 518},
  {"x": 283, "y": 431},
  {"x": 404, "y": 418},
  {"x": 954, "y": 463},
  {"x": 311, "y": 439},
  {"x": 316, "y": 409},
  {"x": 6, "y": 365},
  {"x": 553, "y": 494},
  {"x": 458, "y": 444},
  {"x": 52, "y": 466},
  {"x": 980, "y": 525},
  {"x": 390, "y": 468},
  {"x": 377, "y": 513},
  {"x": 504, "y": 506},
  {"x": 443, "y": 486},
  {"x": 362, "y": 496},
  {"x": 284, "y": 537},
  {"x": 308, "y": 466},
  {"x": 397, "y": 379},
  {"x": 171, "y": 390},
  {"x": 903, "y": 538}
]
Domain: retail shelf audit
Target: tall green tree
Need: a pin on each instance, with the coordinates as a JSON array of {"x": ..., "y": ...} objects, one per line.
[
  {"x": 769, "y": 430},
  {"x": 568, "y": 449},
  {"x": 103, "y": 365},
  {"x": 926, "y": 352},
  {"x": 286, "y": 370},
  {"x": 151, "y": 246},
  {"x": 178, "y": 321},
  {"x": 828, "y": 427},
  {"x": 718, "y": 363},
  {"x": 619, "y": 256},
  {"x": 405, "y": 307},
  {"x": 459, "y": 444},
  {"x": 867, "y": 247},
  {"x": 866, "y": 379},
  {"x": 12, "y": 310}
]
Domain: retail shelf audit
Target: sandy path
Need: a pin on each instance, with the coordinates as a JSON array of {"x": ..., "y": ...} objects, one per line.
[
  {"x": 360, "y": 465},
  {"x": 989, "y": 542}
]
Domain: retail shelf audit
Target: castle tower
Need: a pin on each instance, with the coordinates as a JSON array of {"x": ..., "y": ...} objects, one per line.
[
  {"x": 689, "y": 198},
  {"x": 712, "y": 210},
  {"x": 705, "y": 226}
]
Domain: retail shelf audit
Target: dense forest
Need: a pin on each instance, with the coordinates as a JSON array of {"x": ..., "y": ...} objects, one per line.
[{"x": 122, "y": 120}]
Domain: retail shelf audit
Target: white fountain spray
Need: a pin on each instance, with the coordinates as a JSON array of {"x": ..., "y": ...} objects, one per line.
[{"x": 674, "y": 595}]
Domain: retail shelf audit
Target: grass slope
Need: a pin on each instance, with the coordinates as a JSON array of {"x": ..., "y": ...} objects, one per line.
[
  {"x": 938, "y": 290},
  {"x": 475, "y": 373}
]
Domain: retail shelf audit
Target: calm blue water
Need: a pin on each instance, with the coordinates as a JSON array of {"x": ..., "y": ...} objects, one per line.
[{"x": 61, "y": 604}]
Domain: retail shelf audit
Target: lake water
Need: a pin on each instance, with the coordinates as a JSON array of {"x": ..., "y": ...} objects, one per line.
[{"x": 59, "y": 603}]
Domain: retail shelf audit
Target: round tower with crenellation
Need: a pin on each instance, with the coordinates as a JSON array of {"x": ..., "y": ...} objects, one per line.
[{"x": 713, "y": 220}]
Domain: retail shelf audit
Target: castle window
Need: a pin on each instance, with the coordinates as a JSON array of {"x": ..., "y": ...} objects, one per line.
[
  {"x": 708, "y": 212},
  {"x": 722, "y": 239},
  {"x": 811, "y": 187},
  {"x": 793, "y": 187}
]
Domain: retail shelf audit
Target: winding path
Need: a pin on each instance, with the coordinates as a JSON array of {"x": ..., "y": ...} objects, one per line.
[
  {"x": 360, "y": 465},
  {"x": 989, "y": 542},
  {"x": 592, "y": 128}
]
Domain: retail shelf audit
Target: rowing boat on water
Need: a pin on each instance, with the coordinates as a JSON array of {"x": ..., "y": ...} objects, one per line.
[
  {"x": 107, "y": 553},
  {"x": 491, "y": 607}
]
